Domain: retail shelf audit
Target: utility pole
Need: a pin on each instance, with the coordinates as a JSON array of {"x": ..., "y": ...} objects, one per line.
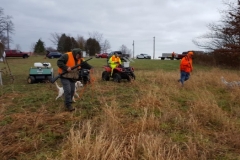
[
  {"x": 133, "y": 49},
  {"x": 153, "y": 47}
]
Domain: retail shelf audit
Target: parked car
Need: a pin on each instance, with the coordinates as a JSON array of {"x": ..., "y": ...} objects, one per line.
[
  {"x": 16, "y": 53},
  {"x": 143, "y": 56},
  {"x": 101, "y": 55},
  {"x": 54, "y": 55}
]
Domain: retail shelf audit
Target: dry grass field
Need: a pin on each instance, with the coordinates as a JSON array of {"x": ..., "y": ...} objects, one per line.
[{"x": 151, "y": 118}]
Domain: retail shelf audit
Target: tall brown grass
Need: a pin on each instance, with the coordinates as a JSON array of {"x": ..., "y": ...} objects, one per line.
[
  {"x": 150, "y": 118},
  {"x": 162, "y": 120}
]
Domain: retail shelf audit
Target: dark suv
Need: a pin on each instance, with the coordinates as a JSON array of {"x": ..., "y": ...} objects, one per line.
[{"x": 54, "y": 55}]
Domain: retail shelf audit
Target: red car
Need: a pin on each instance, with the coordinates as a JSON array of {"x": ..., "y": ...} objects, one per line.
[
  {"x": 101, "y": 55},
  {"x": 16, "y": 53}
]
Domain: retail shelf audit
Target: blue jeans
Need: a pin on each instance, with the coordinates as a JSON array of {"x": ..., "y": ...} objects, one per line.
[
  {"x": 184, "y": 76},
  {"x": 69, "y": 89}
]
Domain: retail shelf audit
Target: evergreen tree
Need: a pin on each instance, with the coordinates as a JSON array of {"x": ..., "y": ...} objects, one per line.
[
  {"x": 74, "y": 43},
  {"x": 61, "y": 42},
  {"x": 92, "y": 46},
  {"x": 39, "y": 47},
  {"x": 66, "y": 43}
]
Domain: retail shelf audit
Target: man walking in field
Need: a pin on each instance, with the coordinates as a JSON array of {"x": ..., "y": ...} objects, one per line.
[
  {"x": 65, "y": 63},
  {"x": 186, "y": 67}
]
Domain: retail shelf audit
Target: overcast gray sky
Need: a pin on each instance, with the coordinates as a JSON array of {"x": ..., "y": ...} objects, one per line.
[{"x": 173, "y": 23}]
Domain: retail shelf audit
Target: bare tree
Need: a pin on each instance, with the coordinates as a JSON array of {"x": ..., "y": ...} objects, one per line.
[
  {"x": 81, "y": 42},
  {"x": 224, "y": 33},
  {"x": 97, "y": 36},
  {"x": 6, "y": 28},
  {"x": 224, "y": 39},
  {"x": 125, "y": 50},
  {"x": 212, "y": 40},
  {"x": 32, "y": 47},
  {"x": 105, "y": 46},
  {"x": 55, "y": 38},
  {"x": 17, "y": 47}
]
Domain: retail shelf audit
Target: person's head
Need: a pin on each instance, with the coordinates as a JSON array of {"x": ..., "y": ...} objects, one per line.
[
  {"x": 77, "y": 53},
  {"x": 116, "y": 54},
  {"x": 190, "y": 54}
]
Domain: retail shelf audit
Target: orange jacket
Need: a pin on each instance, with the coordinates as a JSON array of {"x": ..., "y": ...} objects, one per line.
[
  {"x": 114, "y": 59},
  {"x": 186, "y": 64},
  {"x": 70, "y": 62}
]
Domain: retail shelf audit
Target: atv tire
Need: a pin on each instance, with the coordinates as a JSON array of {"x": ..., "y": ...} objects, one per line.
[
  {"x": 105, "y": 76},
  {"x": 117, "y": 77}
]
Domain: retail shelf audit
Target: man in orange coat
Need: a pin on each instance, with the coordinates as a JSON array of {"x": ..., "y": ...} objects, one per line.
[
  {"x": 65, "y": 63},
  {"x": 186, "y": 67}
]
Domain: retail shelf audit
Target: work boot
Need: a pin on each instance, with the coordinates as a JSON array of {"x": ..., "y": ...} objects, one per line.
[{"x": 70, "y": 108}]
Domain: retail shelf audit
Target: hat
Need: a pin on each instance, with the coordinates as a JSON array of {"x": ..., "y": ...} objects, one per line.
[
  {"x": 76, "y": 51},
  {"x": 190, "y": 53}
]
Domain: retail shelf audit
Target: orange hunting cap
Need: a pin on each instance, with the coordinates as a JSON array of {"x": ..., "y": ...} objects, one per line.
[{"x": 190, "y": 53}]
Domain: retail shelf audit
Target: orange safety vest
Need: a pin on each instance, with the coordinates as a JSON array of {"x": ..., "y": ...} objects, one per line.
[
  {"x": 115, "y": 59},
  {"x": 70, "y": 62},
  {"x": 186, "y": 64}
]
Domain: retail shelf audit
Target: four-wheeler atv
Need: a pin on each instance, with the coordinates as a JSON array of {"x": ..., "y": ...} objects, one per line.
[
  {"x": 84, "y": 75},
  {"x": 41, "y": 72},
  {"x": 119, "y": 73}
]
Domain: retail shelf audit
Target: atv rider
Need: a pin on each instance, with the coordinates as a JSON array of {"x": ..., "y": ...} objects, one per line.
[{"x": 114, "y": 61}]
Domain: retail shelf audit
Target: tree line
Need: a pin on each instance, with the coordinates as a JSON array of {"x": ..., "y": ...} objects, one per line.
[
  {"x": 94, "y": 44},
  {"x": 66, "y": 43},
  {"x": 223, "y": 39}
]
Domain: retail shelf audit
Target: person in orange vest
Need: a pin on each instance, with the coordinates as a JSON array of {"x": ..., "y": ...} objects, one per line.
[
  {"x": 65, "y": 63},
  {"x": 114, "y": 61},
  {"x": 186, "y": 67}
]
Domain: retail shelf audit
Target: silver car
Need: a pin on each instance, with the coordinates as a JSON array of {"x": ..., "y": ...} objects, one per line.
[{"x": 143, "y": 56}]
